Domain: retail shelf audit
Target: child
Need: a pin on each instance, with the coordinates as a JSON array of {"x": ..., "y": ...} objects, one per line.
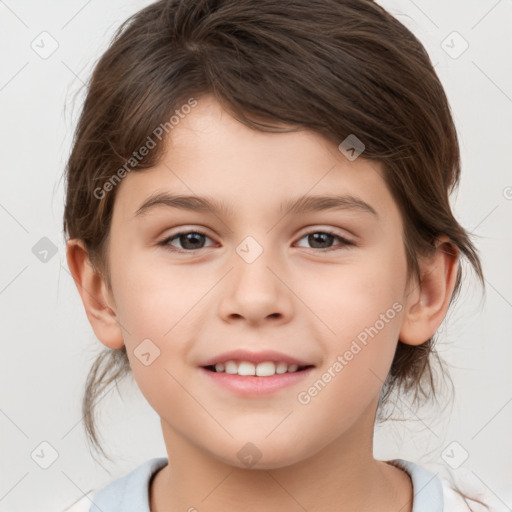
[{"x": 256, "y": 131}]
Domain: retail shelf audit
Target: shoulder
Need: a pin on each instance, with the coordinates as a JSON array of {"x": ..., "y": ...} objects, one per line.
[
  {"x": 445, "y": 493},
  {"x": 126, "y": 494}
]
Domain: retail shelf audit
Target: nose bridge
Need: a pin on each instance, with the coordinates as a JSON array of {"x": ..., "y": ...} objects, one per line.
[
  {"x": 254, "y": 291},
  {"x": 252, "y": 261}
]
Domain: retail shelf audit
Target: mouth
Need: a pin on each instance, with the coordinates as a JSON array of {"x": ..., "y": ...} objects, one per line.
[
  {"x": 247, "y": 373},
  {"x": 263, "y": 369},
  {"x": 247, "y": 379}
]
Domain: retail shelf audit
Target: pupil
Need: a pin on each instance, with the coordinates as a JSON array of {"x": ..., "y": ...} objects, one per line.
[
  {"x": 191, "y": 238},
  {"x": 316, "y": 238}
]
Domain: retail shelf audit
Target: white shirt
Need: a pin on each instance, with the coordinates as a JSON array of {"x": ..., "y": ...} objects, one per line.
[{"x": 130, "y": 493}]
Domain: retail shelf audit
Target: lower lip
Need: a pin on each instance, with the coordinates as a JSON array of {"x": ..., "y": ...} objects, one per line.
[{"x": 256, "y": 386}]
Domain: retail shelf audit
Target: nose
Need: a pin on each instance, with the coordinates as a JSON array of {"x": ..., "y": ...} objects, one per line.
[{"x": 256, "y": 292}]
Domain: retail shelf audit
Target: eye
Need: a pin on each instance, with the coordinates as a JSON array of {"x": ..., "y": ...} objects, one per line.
[
  {"x": 194, "y": 240},
  {"x": 324, "y": 239},
  {"x": 190, "y": 241}
]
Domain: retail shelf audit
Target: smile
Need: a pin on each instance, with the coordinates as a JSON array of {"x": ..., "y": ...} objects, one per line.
[
  {"x": 250, "y": 384},
  {"x": 263, "y": 369}
]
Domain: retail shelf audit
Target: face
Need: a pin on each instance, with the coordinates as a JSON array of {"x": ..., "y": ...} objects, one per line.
[{"x": 319, "y": 287}]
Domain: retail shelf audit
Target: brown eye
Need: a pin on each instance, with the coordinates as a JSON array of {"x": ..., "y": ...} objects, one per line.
[
  {"x": 189, "y": 241},
  {"x": 324, "y": 240}
]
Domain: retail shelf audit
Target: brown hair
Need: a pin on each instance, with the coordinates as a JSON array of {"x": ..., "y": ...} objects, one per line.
[{"x": 337, "y": 67}]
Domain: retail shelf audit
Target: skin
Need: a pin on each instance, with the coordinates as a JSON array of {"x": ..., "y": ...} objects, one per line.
[{"x": 296, "y": 298}]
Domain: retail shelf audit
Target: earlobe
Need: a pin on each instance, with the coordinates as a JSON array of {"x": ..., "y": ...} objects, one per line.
[
  {"x": 427, "y": 303},
  {"x": 95, "y": 295}
]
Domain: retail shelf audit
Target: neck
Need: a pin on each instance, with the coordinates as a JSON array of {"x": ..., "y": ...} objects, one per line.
[{"x": 343, "y": 476}]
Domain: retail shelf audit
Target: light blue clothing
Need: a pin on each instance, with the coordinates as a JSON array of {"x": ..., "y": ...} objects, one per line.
[{"x": 130, "y": 493}]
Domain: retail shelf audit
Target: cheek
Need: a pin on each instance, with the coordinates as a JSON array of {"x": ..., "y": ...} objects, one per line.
[
  {"x": 152, "y": 297},
  {"x": 353, "y": 295},
  {"x": 357, "y": 364},
  {"x": 359, "y": 306},
  {"x": 152, "y": 311}
]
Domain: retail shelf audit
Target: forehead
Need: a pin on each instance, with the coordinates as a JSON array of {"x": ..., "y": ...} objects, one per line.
[{"x": 209, "y": 153}]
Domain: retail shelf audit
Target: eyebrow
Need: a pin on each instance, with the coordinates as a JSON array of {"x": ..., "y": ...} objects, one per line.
[{"x": 298, "y": 205}]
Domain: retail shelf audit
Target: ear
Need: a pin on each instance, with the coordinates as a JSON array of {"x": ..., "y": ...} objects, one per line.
[
  {"x": 426, "y": 305},
  {"x": 95, "y": 294}
]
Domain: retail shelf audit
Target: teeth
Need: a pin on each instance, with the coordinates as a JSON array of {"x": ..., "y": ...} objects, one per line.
[
  {"x": 265, "y": 369},
  {"x": 246, "y": 369},
  {"x": 281, "y": 368},
  {"x": 231, "y": 367}
]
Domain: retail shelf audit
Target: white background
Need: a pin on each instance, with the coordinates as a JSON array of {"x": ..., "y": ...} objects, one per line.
[{"x": 48, "y": 345}]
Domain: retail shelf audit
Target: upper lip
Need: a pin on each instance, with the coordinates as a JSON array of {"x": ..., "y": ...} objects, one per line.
[{"x": 260, "y": 356}]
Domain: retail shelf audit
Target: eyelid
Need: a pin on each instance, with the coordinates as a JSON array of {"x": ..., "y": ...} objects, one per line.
[
  {"x": 319, "y": 228},
  {"x": 184, "y": 231},
  {"x": 345, "y": 241}
]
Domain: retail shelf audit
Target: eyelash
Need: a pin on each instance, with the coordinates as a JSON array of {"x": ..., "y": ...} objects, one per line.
[{"x": 166, "y": 241}]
